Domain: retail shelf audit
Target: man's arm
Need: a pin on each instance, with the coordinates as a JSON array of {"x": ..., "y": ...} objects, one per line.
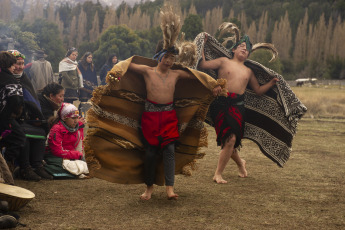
[
  {"x": 141, "y": 69},
  {"x": 261, "y": 89},
  {"x": 210, "y": 64}
]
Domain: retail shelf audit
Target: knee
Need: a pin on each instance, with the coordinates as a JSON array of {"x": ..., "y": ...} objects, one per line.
[{"x": 230, "y": 141}]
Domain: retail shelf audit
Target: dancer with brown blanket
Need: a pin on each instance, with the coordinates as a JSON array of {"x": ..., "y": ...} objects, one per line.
[
  {"x": 228, "y": 113},
  {"x": 163, "y": 103}
]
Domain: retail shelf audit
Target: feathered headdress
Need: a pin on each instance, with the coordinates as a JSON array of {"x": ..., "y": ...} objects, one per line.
[
  {"x": 228, "y": 27},
  {"x": 171, "y": 27}
]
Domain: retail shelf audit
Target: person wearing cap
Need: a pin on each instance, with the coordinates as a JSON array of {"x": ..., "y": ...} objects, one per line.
[
  {"x": 228, "y": 112},
  {"x": 65, "y": 143},
  {"x": 41, "y": 71},
  {"x": 32, "y": 122},
  {"x": 70, "y": 76}
]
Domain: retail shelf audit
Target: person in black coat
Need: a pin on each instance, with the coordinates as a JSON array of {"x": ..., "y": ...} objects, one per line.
[
  {"x": 88, "y": 71},
  {"x": 51, "y": 98},
  {"x": 111, "y": 61},
  {"x": 11, "y": 107},
  {"x": 32, "y": 121}
]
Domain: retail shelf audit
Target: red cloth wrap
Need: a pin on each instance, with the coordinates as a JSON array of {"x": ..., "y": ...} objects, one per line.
[
  {"x": 227, "y": 114},
  {"x": 159, "y": 128}
]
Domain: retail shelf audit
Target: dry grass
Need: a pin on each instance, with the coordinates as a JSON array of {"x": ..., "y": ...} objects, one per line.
[
  {"x": 308, "y": 193},
  {"x": 322, "y": 101}
]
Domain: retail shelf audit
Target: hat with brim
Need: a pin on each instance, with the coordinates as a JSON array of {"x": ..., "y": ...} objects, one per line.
[{"x": 40, "y": 54}]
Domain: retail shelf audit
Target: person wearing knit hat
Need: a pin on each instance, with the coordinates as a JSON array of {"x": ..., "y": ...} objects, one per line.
[
  {"x": 32, "y": 122},
  {"x": 11, "y": 106},
  {"x": 65, "y": 144}
]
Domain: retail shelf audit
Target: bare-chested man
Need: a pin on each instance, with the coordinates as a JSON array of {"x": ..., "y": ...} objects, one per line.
[
  {"x": 227, "y": 113},
  {"x": 159, "y": 121}
]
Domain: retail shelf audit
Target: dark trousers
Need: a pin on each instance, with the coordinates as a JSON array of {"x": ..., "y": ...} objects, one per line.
[
  {"x": 32, "y": 154},
  {"x": 14, "y": 142},
  {"x": 150, "y": 163}
]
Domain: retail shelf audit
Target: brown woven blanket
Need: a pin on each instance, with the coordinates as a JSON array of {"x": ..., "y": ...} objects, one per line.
[
  {"x": 113, "y": 146},
  {"x": 270, "y": 120}
]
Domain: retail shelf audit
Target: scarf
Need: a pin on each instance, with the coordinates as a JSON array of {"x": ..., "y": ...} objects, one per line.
[
  {"x": 67, "y": 65},
  {"x": 72, "y": 130}
]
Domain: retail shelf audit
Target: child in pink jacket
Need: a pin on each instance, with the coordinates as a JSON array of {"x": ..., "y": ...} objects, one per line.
[{"x": 66, "y": 140}]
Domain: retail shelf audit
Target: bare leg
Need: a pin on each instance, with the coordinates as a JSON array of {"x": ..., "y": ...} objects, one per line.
[
  {"x": 241, "y": 164},
  {"x": 224, "y": 157},
  {"x": 147, "y": 194},
  {"x": 171, "y": 194}
]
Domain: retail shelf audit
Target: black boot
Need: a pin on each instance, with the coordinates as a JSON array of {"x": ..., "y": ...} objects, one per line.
[
  {"x": 29, "y": 174},
  {"x": 43, "y": 173},
  {"x": 7, "y": 221},
  {"x": 3, "y": 206}
]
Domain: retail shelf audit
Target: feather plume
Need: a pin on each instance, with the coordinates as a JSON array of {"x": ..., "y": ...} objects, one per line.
[
  {"x": 187, "y": 53},
  {"x": 170, "y": 25},
  {"x": 228, "y": 27},
  {"x": 267, "y": 46}
]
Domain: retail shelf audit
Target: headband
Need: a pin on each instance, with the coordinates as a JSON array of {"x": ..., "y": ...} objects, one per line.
[
  {"x": 17, "y": 54},
  {"x": 245, "y": 39},
  {"x": 158, "y": 56}
]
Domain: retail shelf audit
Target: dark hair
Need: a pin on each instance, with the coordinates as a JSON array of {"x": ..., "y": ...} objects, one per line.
[
  {"x": 52, "y": 88},
  {"x": 84, "y": 63},
  {"x": 7, "y": 60},
  {"x": 110, "y": 59},
  {"x": 71, "y": 50}
]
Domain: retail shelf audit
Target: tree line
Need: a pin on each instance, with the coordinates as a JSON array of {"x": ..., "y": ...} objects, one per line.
[{"x": 308, "y": 34}]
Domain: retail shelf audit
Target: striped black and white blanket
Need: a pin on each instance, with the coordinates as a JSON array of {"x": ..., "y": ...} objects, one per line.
[{"x": 271, "y": 120}]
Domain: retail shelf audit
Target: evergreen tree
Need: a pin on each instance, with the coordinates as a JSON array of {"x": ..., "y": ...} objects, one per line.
[
  {"x": 122, "y": 41},
  {"x": 48, "y": 40},
  {"x": 192, "y": 26}
]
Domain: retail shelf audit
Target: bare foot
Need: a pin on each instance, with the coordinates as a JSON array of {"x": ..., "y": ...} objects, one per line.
[
  {"x": 242, "y": 169},
  {"x": 171, "y": 194},
  {"x": 219, "y": 179},
  {"x": 147, "y": 194}
]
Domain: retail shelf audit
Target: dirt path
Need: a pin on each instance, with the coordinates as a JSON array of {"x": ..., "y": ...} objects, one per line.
[{"x": 308, "y": 193}]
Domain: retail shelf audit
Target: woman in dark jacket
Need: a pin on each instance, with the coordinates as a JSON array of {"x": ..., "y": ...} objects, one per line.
[
  {"x": 87, "y": 69},
  {"x": 112, "y": 60},
  {"x": 51, "y": 98}
]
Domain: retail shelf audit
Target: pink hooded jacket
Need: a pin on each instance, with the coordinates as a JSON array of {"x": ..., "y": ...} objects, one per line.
[{"x": 63, "y": 143}]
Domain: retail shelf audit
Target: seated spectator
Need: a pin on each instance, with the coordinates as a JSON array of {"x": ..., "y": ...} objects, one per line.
[
  {"x": 11, "y": 106},
  {"x": 51, "y": 98},
  {"x": 31, "y": 156},
  {"x": 65, "y": 157},
  {"x": 111, "y": 61}
]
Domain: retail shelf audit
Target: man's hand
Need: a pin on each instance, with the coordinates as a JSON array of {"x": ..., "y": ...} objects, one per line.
[
  {"x": 216, "y": 90},
  {"x": 82, "y": 120},
  {"x": 274, "y": 81}
]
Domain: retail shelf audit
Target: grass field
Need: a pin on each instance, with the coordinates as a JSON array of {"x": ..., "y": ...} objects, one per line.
[
  {"x": 308, "y": 193},
  {"x": 323, "y": 101}
]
